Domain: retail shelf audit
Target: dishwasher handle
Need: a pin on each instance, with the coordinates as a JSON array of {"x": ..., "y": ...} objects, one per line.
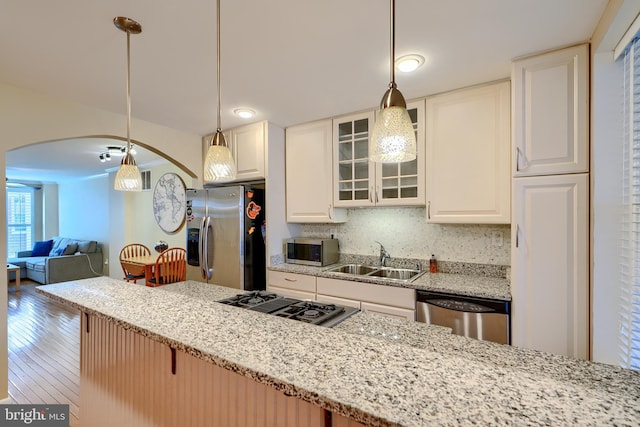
[{"x": 463, "y": 303}]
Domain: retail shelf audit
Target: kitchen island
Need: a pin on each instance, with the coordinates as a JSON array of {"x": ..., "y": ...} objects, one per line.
[{"x": 369, "y": 369}]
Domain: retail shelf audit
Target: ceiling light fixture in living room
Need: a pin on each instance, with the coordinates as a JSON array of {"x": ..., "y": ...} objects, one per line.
[{"x": 128, "y": 177}]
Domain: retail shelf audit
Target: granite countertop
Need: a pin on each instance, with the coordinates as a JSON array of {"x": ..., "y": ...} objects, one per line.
[
  {"x": 459, "y": 284},
  {"x": 375, "y": 370}
]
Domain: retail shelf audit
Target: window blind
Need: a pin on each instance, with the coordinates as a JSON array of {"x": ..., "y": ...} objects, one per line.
[
  {"x": 630, "y": 225},
  {"x": 19, "y": 220}
]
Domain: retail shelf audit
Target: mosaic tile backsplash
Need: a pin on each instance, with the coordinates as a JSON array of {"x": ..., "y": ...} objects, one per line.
[{"x": 405, "y": 233}]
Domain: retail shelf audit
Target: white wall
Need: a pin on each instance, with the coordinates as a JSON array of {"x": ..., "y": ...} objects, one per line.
[
  {"x": 83, "y": 211},
  {"x": 606, "y": 205},
  {"x": 50, "y": 225},
  {"x": 405, "y": 234},
  {"x": 140, "y": 225}
]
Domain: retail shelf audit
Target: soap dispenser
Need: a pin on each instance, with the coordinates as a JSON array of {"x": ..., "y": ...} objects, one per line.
[{"x": 433, "y": 264}]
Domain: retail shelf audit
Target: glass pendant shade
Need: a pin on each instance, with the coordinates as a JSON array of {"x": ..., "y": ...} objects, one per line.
[
  {"x": 219, "y": 165},
  {"x": 128, "y": 177},
  {"x": 393, "y": 139}
]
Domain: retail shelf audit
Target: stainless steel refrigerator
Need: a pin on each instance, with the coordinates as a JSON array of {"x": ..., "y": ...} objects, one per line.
[{"x": 225, "y": 236}]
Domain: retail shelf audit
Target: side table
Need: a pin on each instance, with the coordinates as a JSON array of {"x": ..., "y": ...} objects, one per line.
[{"x": 10, "y": 268}]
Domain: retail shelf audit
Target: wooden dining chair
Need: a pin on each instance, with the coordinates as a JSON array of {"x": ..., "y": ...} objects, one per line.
[
  {"x": 131, "y": 250},
  {"x": 171, "y": 267}
]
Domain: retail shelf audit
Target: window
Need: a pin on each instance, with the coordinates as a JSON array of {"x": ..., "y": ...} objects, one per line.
[
  {"x": 630, "y": 236},
  {"x": 20, "y": 207}
]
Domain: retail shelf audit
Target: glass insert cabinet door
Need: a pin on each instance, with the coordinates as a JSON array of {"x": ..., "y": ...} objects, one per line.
[
  {"x": 359, "y": 182},
  {"x": 354, "y": 174},
  {"x": 403, "y": 183}
]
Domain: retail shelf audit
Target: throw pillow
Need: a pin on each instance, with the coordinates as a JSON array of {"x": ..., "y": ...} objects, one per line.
[
  {"x": 57, "y": 251},
  {"x": 70, "y": 249},
  {"x": 42, "y": 248}
]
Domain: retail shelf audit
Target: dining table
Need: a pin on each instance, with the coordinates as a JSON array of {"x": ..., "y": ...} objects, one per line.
[{"x": 138, "y": 264}]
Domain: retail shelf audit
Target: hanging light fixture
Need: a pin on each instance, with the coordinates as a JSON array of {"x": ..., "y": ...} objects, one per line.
[
  {"x": 218, "y": 163},
  {"x": 393, "y": 139},
  {"x": 128, "y": 177}
]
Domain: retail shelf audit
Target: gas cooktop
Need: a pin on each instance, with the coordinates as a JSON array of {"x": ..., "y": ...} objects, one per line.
[{"x": 313, "y": 312}]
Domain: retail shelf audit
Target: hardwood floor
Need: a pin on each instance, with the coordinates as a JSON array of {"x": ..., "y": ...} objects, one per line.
[{"x": 44, "y": 350}]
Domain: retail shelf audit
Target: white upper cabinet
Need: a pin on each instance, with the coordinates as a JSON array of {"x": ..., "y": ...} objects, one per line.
[
  {"x": 247, "y": 143},
  {"x": 550, "y": 112},
  {"x": 468, "y": 155},
  {"x": 359, "y": 182},
  {"x": 403, "y": 183},
  {"x": 354, "y": 174},
  {"x": 309, "y": 177}
]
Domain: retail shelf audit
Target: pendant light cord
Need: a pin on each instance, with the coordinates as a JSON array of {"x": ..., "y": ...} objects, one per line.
[
  {"x": 128, "y": 91},
  {"x": 218, "y": 57},
  {"x": 393, "y": 43}
]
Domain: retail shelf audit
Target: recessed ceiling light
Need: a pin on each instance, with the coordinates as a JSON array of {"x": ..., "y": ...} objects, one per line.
[
  {"x": 245, "y": 113},
  {"x": 409, "y": 63}
]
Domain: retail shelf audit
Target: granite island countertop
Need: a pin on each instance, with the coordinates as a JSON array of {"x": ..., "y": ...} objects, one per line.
[
  {"x": 422, "y": 377},
  {"x": 459, "y": 284}
]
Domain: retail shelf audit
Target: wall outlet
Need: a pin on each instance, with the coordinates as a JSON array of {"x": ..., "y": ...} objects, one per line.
[{"x": 497, "y": 238}]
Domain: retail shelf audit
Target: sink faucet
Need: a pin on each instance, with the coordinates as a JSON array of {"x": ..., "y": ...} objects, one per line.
[{"x": 383, "y": 254}]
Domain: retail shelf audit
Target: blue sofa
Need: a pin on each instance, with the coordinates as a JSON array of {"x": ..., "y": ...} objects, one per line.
[{"x": 68, "y": 259}]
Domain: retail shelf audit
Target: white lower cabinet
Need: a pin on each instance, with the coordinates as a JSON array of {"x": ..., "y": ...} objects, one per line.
[
  {"x": 386, "y": 310},
  {"x": 293, "y": 285},
  {"x": 550, "y": 264},
  {"x": 387, "y": 300},
  {"x": 338, "y": 301}
]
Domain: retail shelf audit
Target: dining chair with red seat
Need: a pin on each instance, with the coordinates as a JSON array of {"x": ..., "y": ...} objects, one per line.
[
  {"x": 171, "y": 267},
  {"x": 129, "y": 251}
]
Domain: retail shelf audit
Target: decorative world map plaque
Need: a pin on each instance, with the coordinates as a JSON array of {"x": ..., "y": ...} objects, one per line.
[{"x": 169, "y": 202}]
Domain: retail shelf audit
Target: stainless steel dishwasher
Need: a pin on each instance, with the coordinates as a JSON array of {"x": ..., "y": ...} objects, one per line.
[{"x": 480, "y": 318}]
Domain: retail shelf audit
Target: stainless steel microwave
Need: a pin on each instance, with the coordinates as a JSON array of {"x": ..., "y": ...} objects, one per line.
[{"x": 310, "y": 251}]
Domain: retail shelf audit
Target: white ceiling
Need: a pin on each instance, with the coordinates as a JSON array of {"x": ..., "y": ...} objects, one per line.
[{"x": 292, "y": 61}]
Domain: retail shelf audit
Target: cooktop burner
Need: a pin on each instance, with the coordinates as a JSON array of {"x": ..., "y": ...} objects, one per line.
[
  {"x": 250, "y": 299},
  {"x": 313, "y": 312},
  {"x": 310, "y": 312}
]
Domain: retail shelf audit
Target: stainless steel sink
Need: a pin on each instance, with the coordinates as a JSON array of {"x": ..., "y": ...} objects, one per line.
[
  {"x": 355, "y": 269},
  {"x": 401, "y": 274},
  {"x": 395, "y": 273}
]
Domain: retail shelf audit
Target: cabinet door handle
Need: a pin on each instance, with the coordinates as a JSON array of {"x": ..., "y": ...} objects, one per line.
[
  {"x": 173, "y": 360},
  {"x": 518, "y": 155},
  {"x": 429, "y": 209},
  {"x": 86, "y": 319},
  {"x": 377, "y": 190},
  {"x": 290, "y": 280},
  {"x": 371, "y": 194},
  {"x": 329, "y": 211},
  {"x": 517, "y": 233}
]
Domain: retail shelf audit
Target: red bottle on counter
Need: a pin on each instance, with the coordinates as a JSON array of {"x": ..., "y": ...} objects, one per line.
[{"x": 433, "y": 264}]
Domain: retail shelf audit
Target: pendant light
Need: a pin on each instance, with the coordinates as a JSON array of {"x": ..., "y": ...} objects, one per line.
[
  {"x": 218, "y": 163},
  {"x": 393, "y": 139},
  {"x": 128, "y": 177}
]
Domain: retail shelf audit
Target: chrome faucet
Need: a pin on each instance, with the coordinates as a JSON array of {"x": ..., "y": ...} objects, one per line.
[{"x": 384, "y": 255}]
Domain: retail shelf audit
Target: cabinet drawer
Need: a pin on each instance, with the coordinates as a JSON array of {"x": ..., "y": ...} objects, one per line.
[
  {"x": 380, "y": 294},
  {"x": 292, "y": 293},
  {"x": 338, "y": 301},
  {"x": 299, "y": 282},
  {"x": 385, "y": 310}
]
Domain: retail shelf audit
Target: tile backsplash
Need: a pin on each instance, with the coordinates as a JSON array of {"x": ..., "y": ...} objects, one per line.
[{"x": 405, "y": 233}]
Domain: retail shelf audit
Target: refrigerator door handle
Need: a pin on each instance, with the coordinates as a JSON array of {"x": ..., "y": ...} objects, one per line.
[{"x": 205, "y": 227}]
